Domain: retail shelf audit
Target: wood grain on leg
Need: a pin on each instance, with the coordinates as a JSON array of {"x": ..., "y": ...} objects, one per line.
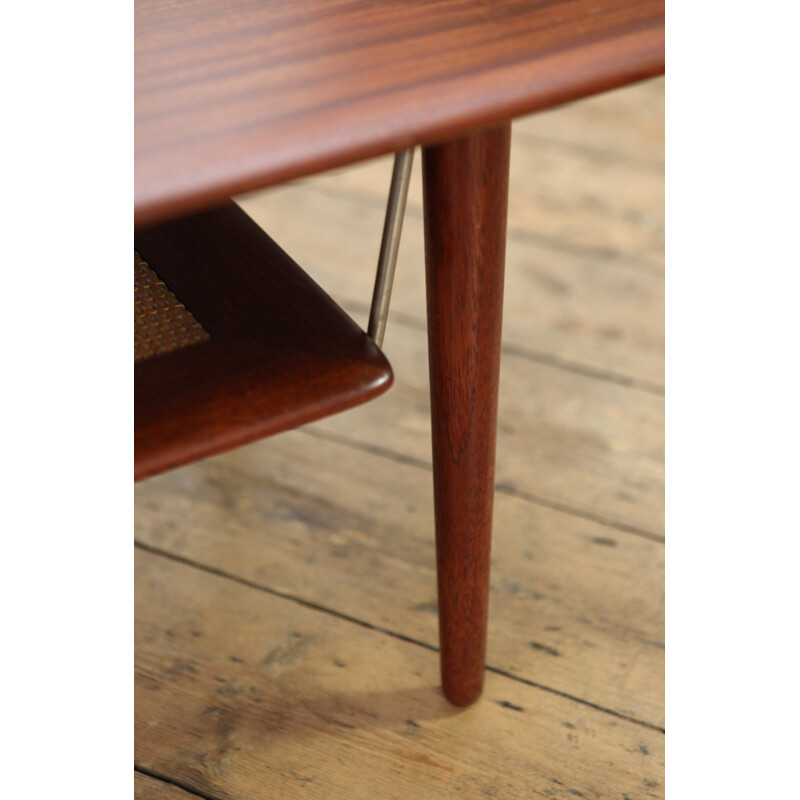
[{"x": 466, "y": 196}]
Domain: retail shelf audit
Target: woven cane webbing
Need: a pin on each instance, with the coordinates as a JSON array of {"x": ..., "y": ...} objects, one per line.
[{"x": 161, "y": 322}]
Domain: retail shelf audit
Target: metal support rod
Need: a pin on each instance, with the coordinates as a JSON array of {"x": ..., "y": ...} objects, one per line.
[{"x": 390, "y": 244}]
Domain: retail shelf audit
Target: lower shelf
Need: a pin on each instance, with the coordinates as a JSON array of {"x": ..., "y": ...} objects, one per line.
[{"x": 235, "y": 342}]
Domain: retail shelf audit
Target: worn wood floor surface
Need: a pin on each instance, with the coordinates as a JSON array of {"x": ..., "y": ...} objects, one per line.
[{"x": 286, "y": 594}]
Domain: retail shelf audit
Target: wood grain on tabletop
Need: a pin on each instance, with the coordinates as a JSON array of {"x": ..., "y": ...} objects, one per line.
[
  {"x": 290, "y": 702},
  {"x": 233, "y": 96}
]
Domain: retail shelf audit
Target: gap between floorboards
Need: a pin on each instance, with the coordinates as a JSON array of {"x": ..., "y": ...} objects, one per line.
[
  {"x": 172, "y": 782},
  {"x": 549, "y": 359},
  {"x": 402, "y": 458}
]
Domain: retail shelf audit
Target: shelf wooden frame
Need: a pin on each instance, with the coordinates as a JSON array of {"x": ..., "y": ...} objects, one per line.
[{"x": 280, "y": 352}]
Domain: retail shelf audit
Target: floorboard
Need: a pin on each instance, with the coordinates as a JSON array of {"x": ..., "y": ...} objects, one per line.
[
  {"x": 574, "y": 607},
  {"x": 291, "y": 702},
  {"x": 582, "y": 443},
  {"x": 149, "y": 787}
]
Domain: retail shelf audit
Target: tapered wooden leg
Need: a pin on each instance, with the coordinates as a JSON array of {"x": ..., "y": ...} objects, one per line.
[{"x": 465, "y": 185}]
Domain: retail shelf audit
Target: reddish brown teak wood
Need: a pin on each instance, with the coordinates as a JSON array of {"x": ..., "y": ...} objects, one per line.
[
  {"x": 234, "y": 95},
  {"x": 281, "y": 353},
  {"x": 465, "y": 195}
]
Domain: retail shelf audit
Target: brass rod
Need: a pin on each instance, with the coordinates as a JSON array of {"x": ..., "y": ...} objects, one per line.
[{"x": 390, "y": 245}]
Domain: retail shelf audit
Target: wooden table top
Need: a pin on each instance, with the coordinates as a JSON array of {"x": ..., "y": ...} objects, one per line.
[{"x": 235, "y": 95}]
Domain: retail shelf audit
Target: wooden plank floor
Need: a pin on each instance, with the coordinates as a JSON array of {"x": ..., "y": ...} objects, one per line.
[{"x": 286, "y": 595}]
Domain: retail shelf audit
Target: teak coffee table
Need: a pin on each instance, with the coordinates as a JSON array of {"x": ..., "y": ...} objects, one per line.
[{"x": 236, "y": 342}]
